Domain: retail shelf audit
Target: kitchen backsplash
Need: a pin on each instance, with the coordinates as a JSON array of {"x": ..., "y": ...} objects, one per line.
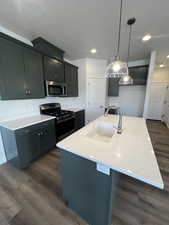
[{"x": 18, "y": 108}]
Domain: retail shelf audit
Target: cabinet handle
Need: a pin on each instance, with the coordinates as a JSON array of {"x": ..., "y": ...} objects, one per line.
[
  {"x": 27, "y": 92},
  {"x": 39, "y": 134}
]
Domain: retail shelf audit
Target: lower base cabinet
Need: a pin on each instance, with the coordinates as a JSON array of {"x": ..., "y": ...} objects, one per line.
[
  {"x": 24, "y": 145},
  {"x": 86, "y": 191},
  {"x": 79, "y": 119}
]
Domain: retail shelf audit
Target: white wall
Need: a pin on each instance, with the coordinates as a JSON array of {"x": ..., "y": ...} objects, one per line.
[
  {"x": 149, "y": 81},
  {"x": 92, "y": 85},
  {"x": 82, "y": 68},
  {"x": 156, "y": 88},
  {"x": 161, "y": 75},
  {"x": 160, "y": 81},
  {"x": 96, "y": 88},
  {"x": 131, "y": 98}
]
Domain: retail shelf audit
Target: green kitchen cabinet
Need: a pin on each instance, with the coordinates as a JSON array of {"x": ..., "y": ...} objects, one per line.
[
  {"x": 48, "y": 136},
  {"x": 71, "y": 79},
  {"x": 24, "y": 145},
  {"x": 54, "y": 70},
  {"x": 89, "y": 193},
  {"x": 139, "y": 74},
  {"x": 34, "y": 80},
  {"x": 21, "y": 70},
  {"x": 12, "y": 79},
  {"x": 47, "y": 48},
  {"x": 28, "y": 146},
  {"x": 79, "y": 119},
  {"x": 113, "y": 87}
]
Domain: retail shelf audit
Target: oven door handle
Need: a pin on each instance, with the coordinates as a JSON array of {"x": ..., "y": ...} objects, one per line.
[{"x": 67, "y": 119}]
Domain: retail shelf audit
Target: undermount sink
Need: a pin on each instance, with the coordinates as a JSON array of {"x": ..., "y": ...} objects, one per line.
[{"x": 101, "y": 131}]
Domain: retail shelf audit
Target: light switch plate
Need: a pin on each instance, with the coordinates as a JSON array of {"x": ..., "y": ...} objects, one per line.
[{"x": 103, "y": 169}]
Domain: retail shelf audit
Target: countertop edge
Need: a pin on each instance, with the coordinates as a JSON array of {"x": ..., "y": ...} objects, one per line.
[
  {"x": 26, "y": 125},
  {"x": 140, "y": 178}
]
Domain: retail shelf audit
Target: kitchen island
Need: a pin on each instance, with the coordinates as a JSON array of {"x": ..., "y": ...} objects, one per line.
[{"x": 92, "y": 158}]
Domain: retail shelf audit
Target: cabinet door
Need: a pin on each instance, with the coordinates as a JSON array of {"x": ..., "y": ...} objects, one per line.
[
  {"x": 71, "y": 79},
  {"x": 74, "y": 81},
  {"x": 28, "y": 144},
  {"x": 34, "y": 85},
  {"x": 79, "y": 119},
  {"x": 139, "y": 74},
  {"x": 12, "y": 79},
  {"x": 54, "y": 70},
  {"x": 48, "y": 137},
  {"x": 113, "y": 87}
]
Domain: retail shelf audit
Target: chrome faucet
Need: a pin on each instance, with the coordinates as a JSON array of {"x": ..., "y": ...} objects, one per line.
[{"x": 119, "y": 128}]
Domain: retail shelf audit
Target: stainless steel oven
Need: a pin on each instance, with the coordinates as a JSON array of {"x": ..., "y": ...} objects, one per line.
[{"x": 54, "y": 89}]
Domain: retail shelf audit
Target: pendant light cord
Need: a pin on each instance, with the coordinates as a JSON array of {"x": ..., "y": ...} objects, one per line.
[
  {"x": 128, "y": 55},
  {"x": 119, "y": 32}
]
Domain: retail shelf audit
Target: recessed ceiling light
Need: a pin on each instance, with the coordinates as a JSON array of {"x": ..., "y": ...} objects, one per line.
[
  {"x": 167, "y": 56},
  {"x": 93, "y": 50},
  {"x": 161, "y": 65},
  {"x": 147, "y": 37}
]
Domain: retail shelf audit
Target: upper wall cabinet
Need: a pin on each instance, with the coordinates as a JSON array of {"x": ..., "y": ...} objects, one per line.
[
  {"x": 54, "y": 70},
  {"x": 47, "y": 48},
  {"x": 21, "y": 75},
  {"x": 71, "y": 79},
  {"x": 113, "y": 87},
  {"x": 34, "y": 80},
  {"x": 53, "y": 60},
  {"x": 139, "y": 74},
  {"x": 12, "y": 78}
]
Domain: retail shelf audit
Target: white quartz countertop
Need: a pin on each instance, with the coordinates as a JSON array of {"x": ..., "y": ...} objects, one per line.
[
  {"x": 130, "y": 153},
  {"x": 25, "y": 121}
]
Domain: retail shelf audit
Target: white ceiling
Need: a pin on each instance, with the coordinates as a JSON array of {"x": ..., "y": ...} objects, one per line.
[{"x": 76, "y": 26}]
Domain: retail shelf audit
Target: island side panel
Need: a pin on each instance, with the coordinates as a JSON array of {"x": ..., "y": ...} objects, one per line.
[{"x": 89, "y": 193}]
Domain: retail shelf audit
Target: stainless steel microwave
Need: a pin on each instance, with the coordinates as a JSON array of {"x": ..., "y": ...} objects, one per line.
[{"x": 54, "y": 89}]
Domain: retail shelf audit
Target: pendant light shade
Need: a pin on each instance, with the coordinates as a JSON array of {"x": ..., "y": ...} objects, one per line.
[
  {"x": 126, "y": 80},
  {"x": 117, "y": 68}
]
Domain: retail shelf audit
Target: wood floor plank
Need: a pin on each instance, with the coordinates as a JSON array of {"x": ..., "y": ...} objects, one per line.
[{"x": 8, "y": 206}]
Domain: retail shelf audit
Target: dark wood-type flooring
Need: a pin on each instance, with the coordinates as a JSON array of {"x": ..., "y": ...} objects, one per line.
[{"x": 33, "y": 196}]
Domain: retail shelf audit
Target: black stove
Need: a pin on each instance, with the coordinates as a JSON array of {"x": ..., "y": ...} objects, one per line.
[
  {"x": 65, "y": 121},
  {"x": 63, "y": 115},
  {"x": 54, "y": 109}
]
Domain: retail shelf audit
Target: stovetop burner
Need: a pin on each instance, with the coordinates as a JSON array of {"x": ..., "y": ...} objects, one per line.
[{"x": 54, "y": 109}]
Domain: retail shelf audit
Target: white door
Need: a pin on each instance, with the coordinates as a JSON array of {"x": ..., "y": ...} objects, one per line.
[
  {"x": 96, "y": 96},
  {"x": 157, "y": 95}
]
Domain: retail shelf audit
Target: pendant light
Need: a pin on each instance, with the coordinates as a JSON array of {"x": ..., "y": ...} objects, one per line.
[
  {"x": 117, "y": 68},
  {"x": 127, "y": 79}
]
